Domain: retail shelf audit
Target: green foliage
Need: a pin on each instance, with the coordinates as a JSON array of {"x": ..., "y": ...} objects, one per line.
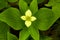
[
  {"x": 4, "y": 32},
  {"x": 23, "y": 6},
  {"x": 11, "y": 36},
  {"x": 56, "y": 9},
  {"x": 34, "y": 33},
  {"x": 28, "y": 1},
  {"x": 39, "y": 1},
  {"x": 52, "y": 2},
  {"x": 24, "y": 34},
  {"x": 12, "y": 0},
  {"x": 46, "y": 38},
  {"x": 34, "y": 6},
  {"x": 11, "y": 18},
  {"x": 45, "y": 18},
  {"x": 3, "y": 4},
  {"x": 55, "y": 6}
]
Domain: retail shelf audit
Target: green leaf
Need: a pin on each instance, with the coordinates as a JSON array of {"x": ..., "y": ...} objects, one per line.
[
  {"x": 38, "y": 1},
  {"x": 4, "y": 35},
  {"x": 24, "y": 34},
  {"x": 11, "y": 36},
  {"x": 28, "y": 1},
  {"x": 56, "y": 9},
  {"x": 23, "y": 6},
  {"x": 57, "y": 1},
  {"x": 34, "y": 33},
  {"x": 12, "y": 0},
  {"x": 34, "y": 6},
  {"x": 3, "y": 4},
  {"x": 45, "y": 38},
  {"x": 52, "y": 2},
  {"x": 45, "y": 19},
  {"x": 3, "y": 30},
  {"x": 11, "y": 16}
]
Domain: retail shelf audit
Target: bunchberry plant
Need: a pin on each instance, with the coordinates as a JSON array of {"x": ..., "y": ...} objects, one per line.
[{"x": 27, "y": 18}]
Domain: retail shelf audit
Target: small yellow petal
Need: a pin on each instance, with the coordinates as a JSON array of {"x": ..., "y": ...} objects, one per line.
[
  {"x": 23, "y": 17},
  {"x": 33, "y": 18},
  {"x": 28, "y": 13},
  {"x": 28, "y": 23}
]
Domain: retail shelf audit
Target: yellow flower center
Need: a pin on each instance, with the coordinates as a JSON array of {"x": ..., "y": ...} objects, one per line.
[{"x": 28, "y": 18}]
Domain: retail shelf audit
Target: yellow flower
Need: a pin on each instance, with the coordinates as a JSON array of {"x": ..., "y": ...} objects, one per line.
[{"x": 28, "y": 18}]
